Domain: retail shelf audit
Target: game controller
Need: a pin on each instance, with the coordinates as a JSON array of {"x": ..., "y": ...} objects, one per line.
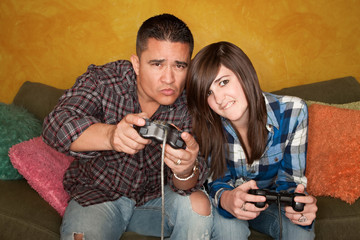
[
  {"x": 155, "y": 130},
  {"x": 284, "y": 198}
]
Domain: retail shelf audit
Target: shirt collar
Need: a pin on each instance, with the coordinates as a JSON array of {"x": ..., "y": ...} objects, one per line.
[{"x": 271, "y": 106}]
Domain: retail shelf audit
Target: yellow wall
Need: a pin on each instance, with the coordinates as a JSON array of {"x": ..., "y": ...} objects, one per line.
[{"x": 290, "y": 42}]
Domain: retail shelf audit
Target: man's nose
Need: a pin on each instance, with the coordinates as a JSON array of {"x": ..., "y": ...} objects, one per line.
[{"x": 168, "y": 75}]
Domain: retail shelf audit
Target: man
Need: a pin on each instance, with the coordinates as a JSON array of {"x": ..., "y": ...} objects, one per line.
[{"x": 114, "y": 181}]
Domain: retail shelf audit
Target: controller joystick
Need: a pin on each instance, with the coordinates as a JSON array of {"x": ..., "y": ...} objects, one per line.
[
  {"x": 284, "y": 198},
  {"x": 155, "y": 130}
]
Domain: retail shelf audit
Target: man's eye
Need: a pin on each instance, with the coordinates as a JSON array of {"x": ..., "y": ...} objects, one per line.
[
  {"x": 182, "y": 66},
  {"x": 157, "y": 64}
]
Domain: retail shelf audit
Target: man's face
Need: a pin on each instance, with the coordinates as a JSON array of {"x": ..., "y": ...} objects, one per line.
[{"x": 161, "y": 72}]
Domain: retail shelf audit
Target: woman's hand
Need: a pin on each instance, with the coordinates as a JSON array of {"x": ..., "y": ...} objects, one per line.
[
  {"x": 239, "y": 203},
  {"x": 307, "y": 216}
]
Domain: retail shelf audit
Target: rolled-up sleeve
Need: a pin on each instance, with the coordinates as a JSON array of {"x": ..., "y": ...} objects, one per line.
[{"x": 77, "y": 109}]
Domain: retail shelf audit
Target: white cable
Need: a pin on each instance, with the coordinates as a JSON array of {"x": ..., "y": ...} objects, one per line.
[{"x": 162, "y": 184}]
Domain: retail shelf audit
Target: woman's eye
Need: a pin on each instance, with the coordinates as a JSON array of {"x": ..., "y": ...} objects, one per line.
[
  {"x": 223, "y": 82},
  {"x": 209, "y": 93}
]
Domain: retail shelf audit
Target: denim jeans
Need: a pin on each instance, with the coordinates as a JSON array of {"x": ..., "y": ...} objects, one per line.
[
  {"x": 110, "y": 220},
  {"x": 267, "y": 222}
]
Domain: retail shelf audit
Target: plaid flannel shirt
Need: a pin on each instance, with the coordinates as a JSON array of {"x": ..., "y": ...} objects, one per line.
[
  {"x": 282, "y": 165},
  {"x": 106, "y": 94}
]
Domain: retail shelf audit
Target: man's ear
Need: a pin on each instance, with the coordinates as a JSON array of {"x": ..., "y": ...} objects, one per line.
[{"x": 136, "y": 63}]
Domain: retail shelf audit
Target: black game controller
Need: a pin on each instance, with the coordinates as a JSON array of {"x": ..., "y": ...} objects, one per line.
[
  {"x": 155, "y": 130},
  {"x": 284, "y": 198}
]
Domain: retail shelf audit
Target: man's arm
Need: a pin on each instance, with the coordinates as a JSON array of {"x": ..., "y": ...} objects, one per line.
[{"x": 121, "y": 137}]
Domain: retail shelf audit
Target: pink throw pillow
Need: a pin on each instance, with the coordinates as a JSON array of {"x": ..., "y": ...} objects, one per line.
[{"x": 43, "y": 167}]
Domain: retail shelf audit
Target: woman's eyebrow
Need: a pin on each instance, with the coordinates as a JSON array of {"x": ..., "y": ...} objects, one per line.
[{"x": 218, "y": 79}]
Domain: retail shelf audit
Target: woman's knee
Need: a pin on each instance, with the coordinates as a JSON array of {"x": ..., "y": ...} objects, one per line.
[{"x": 200, "y": 203}]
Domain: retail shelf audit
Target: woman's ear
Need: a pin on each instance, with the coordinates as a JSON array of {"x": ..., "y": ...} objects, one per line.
[{"x": 136, "y": 63}]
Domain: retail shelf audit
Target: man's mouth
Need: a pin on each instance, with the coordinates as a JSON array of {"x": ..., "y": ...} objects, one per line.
[{"x": 168, "y": 91}]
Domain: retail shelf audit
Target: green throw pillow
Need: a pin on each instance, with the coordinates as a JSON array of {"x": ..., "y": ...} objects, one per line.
[{"x": 16, "y": 125}]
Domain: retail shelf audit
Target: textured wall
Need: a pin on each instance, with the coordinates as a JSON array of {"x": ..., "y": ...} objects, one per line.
[{"x": 290, "y": 42}]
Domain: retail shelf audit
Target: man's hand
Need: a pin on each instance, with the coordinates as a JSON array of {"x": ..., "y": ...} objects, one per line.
[
  {"x": 124, "y": 138},
  {"x": 307, "y": 216},
  {"x": 182, "y": 161}
]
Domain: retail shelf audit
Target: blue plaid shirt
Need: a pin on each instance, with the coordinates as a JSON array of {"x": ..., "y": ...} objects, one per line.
[{"x": 282, "y": 165}]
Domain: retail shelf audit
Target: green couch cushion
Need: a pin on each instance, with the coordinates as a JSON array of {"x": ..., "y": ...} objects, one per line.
[
  {"x": 38, "y": 98},
  {"x": 25, "y": 215},
  {"x": 340, "y": 90},
  {"x": 337, "y": 219},
  {"x": 16, "y": 125}
]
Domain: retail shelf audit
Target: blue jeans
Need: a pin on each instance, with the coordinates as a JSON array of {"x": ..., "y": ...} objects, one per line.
[
  {"x": 267, "y": 222},
  {"x": 110, "y": 220}
]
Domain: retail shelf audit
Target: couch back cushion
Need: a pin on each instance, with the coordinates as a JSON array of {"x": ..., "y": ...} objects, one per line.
[
  {"x": 39, "y": 99},
  {"x": 340, "y": 90}
]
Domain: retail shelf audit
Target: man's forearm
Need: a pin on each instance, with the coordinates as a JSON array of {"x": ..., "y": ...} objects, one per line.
[{"x": 94, "y": 138}]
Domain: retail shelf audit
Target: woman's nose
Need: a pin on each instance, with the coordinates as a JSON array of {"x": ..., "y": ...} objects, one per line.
[{"x": 218, "y": 97}]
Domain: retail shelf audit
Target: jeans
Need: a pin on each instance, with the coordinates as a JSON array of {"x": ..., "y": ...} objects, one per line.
[
  {"x": 109, "y": 220},
  {"x": 267, "y": 222}
]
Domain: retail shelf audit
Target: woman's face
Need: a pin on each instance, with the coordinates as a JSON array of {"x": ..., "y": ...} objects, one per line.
[{"x": 226, "y": 97}]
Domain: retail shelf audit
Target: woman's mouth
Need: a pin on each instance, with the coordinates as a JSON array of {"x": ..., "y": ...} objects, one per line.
[{"x": 228, "y": 105}]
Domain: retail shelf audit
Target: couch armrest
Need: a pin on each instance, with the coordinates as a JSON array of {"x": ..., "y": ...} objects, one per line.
[{"x": 39, "y": 99}]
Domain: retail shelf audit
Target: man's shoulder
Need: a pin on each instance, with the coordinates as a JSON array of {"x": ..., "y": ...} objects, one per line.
[
  {"x": 116, "y": 72},
  {"x": 119, "y": 66}
]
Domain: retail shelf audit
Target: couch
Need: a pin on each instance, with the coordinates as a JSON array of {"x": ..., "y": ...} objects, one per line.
[{"x": 24, "y": 214}]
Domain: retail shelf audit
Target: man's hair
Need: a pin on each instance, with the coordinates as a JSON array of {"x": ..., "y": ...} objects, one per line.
[{"x": 164, "y": 27}]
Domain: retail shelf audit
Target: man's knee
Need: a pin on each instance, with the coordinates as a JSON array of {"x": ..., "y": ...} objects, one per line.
[
  {"x": 78, "y": 236},
  {"x": 200, "y": 203}
]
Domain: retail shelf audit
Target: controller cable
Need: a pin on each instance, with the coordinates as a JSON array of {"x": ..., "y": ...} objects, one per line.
[
  {"x": 162, "y": 183},
  {"x": 280, "y": 218}
]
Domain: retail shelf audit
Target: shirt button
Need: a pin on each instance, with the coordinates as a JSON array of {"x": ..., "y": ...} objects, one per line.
[{"x": 276, "y": 159}]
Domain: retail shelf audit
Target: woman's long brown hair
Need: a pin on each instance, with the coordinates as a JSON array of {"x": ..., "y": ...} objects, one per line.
[{"x": 207, "y": 124}]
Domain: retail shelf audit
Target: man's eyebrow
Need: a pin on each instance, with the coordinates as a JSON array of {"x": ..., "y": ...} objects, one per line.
[
  {"x": 163, "y": 60},
  {"x": 156, "y": 61},
  {"x": 182, "y": 63}
]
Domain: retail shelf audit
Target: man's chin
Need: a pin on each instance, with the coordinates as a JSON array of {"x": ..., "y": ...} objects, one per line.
[{"x": 168, "y": 100}]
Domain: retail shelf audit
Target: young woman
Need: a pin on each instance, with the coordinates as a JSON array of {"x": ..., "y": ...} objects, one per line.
[{"x": 252, "y": 139}]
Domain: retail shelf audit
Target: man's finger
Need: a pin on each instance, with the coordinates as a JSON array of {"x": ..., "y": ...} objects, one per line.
[
  {"x": 136, "y": 119},
  {"x": 189, "y": 141}
]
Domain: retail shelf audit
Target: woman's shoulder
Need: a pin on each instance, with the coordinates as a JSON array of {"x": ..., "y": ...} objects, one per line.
[{"x": 284, "y": 101}]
